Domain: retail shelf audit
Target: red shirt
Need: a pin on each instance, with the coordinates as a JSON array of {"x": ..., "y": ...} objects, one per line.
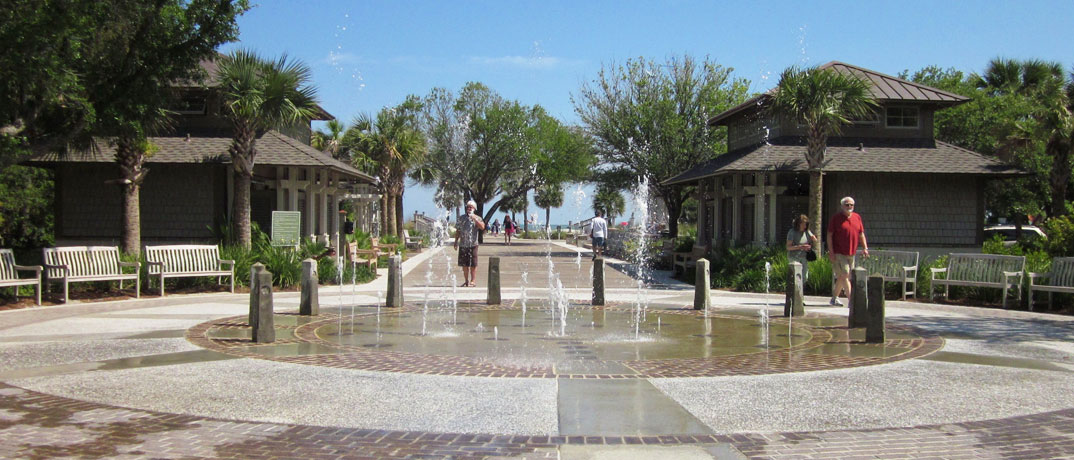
[{"x": 845, "y": 231}]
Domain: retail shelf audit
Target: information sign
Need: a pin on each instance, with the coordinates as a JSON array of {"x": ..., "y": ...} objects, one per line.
[{"x": 286, "y": 228}]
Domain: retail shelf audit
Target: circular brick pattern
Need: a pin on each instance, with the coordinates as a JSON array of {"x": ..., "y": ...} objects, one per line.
[{"x": 798, "y": 358}]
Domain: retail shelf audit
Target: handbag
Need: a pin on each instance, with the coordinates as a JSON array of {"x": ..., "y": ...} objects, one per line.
[{"x": 811, "y": 254}]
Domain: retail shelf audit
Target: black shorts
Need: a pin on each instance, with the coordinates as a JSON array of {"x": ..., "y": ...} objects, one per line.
[{"x": 468, "y": 256}]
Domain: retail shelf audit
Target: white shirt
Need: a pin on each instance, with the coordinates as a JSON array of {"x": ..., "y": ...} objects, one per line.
[{"x": 600, "y": 227}]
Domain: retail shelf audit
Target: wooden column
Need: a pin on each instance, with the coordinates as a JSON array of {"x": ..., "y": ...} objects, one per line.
[
  {"x": 736, "y": 209},
  {"x": 307, "y": 214},
  {"x": 773, "y": 193},
  {"x": 758, "y": 208},
  {"x": 717, "y": 212}
]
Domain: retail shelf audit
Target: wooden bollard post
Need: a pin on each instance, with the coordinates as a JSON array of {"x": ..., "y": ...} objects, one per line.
[
  {"x": 395, "y": 282},
  {"x": 262, "y": 322},
  {"x": 859, "y": 298},
  {"x": 494, "y": 281},
  {"x": 598, "y": 281},
  {"x": 308, "y": 304},
  {"x": 794, "y": 305},
  {"x": 254, "y": 270},
  {"x": 874, "y": 331},
  {"x": 702, "y": 290}
]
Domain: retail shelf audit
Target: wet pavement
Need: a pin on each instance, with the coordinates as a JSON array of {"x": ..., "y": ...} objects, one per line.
[{"x": 178, "y": 377}]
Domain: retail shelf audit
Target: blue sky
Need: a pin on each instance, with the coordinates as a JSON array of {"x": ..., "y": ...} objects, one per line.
[{"x": 369, "y": 54}]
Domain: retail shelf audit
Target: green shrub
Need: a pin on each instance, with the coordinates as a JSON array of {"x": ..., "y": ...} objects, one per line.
[
  {"x": 1060, "y": 231},
  {"x": 684, "y": 243},
  {"x": 820, "y": 277}
]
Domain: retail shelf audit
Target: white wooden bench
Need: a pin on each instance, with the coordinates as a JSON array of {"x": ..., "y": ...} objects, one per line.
[
  {"x": 896, "y": 266},
  {"x": 9, "y": 274},
  {"x": 981, "y": 270},
  {"x": 74, "y": 264},
  {"x": 687, "y": 260},
  {"x": 1059, "y": 279},
  {"x": 187, "y": 261},
  {"x": 412, "y": 242}
]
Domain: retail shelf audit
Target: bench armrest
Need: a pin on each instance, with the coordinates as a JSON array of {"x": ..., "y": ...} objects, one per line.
[
  {"x": 150, "y": 263},
  {"x": 66, "y": 270},
  {"x": 1036, "y": 276},
  {"x": 28, "y": 268},
  {"x": 910, "y": 269},
  {"x": 938, "y": 270},
  {"x": 136, "y": 265},
  {"x": 223, "y": 262},
  {"x": 1010, "y": 274}
]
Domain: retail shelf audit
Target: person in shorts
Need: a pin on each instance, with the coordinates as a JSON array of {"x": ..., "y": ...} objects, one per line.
[
  {"x": 599, "y": 232},
  {"x": 468, "y": 229},
  {"x": 845, "y": 233}
]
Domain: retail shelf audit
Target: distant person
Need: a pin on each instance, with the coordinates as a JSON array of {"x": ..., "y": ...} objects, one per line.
[
  {"x": 799, "y": 242},
  {"x": 509, "y": 229},
  {"x": 599, "y": 233},
  {"x": 496, "y": 227},
  {"x": 845, "y": 233},
  {"x": 467, "y": 230}
]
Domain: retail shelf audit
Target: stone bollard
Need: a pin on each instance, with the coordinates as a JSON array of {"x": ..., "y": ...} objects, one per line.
[
  {"x": 395, "y": 282},
  {"x": 254, "y": 270},
  {"x": 794, "y": 305},
  {"x": 308, "y": 304},
  {"x": 261, "y": 320},
  {"x": 598, "y": 281},
  {"x": 859, "y": 298},
  {"x": 874, "y": 330},
  {"x": 494, "y": 281},
  {"x": 702, "y": 289}
]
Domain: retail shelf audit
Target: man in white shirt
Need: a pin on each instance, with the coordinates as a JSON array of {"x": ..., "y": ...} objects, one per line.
[{"x": 599, "y": 232}]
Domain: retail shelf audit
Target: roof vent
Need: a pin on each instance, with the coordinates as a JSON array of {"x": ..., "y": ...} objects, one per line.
[
  {"x": 861, "y": 147},
  {"x": 187, "y": 137}
]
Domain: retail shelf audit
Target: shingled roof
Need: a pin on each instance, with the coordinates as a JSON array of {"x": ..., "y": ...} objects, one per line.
[
  {"x": 862, "y": 155},
  {"x": 883, "y": 88},
  {"x": 274, "y": 149}
]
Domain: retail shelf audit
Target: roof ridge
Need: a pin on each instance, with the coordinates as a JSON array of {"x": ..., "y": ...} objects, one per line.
[{"x": 884, "y": 75}]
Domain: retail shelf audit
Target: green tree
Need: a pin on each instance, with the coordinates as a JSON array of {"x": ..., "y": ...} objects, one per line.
[
  {"x": 651, "y": 119},
  {"x": 823, "y": 100},
  {"x": 608, "y": 199},
  {"x": 259, "y": 95},
  {"x": 329, "y": 141},
  {"x": 492, "y": 150},
  {"x": 26, "y": 219},
  {"x": 388, "y": 147},
  {"x": 548, "y": 196}
]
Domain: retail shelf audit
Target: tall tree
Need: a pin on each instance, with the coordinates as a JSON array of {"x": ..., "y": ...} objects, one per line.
[
  {"x": 548, "y": 196},
  {"x": 651, "y": 119},
  {"x": 259, "y": 95},
  {"x": 388, "y": 147},
  {"x": 1050, "y": 121},
  {"x": 492, "y": 150},
  {"x": 608, "y": 199},
  {"x": 824, "y": 100}
]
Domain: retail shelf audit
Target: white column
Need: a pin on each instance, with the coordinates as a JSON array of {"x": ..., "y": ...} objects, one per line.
[
  {"x": 736, "y": 208},
  {"x": 292, "y": 187},
  {"x": 311, "y": 198},
  {"x": 773, "y": 194},
  {"x": 758, "y": 208}
]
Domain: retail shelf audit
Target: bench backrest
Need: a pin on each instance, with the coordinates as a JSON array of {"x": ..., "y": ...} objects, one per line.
[
  {"x": 7, "y": 265},
  {"x": 1062, "y": 272},
  {"x": 983, "y": 267},
  {"x": 183, "y": 258},
  {"x": 885, "y": 262},
  {"x": 83, "y": 260}
]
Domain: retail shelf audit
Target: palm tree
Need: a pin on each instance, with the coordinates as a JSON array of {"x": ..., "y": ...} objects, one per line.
[
  {"x": 1051, "y": 120},
  {"x": 548, "y": 196},
  {"x": 608, "y": 198},
  {"x": 260, "y": 95},
  {"x": 823, "y": 100},
  {"x": 329, "y": 142},
  {"x": 388, "y": 147}
]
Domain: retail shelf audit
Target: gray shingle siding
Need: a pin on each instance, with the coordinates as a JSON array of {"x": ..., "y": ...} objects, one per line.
[{"x": 910, "y": 210}]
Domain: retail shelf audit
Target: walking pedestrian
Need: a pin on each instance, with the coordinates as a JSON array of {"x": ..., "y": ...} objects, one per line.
[
  {"x": 845, "y": 233},
  {"x": 467, "y": 231}
]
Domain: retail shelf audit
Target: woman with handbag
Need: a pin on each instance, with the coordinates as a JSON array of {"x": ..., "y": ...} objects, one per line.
[{"x": 800, "y": 244}]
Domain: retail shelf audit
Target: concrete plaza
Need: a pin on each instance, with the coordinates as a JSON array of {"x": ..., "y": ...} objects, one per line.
[{"x": 176, "y": 377}]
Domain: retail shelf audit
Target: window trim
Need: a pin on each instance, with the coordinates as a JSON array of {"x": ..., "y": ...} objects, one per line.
[{"x": 917, "y": 119}]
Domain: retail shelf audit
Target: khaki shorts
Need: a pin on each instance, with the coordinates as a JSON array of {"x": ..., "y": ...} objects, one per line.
[
  {"x": 468, "y": 256},
  {"x": 842, "y": 264}
]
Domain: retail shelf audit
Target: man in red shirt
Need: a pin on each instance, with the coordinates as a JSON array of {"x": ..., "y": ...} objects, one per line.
[{"x": 845, "y": 231}]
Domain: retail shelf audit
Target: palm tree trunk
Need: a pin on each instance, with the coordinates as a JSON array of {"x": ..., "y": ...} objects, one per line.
[
  {"x": 132, "y": 232},
  {"x": 384, "y": 210},
  {"x": 816, "y": 197},
  {"x": 548, "y": 218},
  {"x": 399, "y": 214},
  {"x": 241, "y": 210}
]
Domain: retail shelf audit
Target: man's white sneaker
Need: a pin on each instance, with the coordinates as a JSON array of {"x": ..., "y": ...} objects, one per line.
[{"x": 835, "y": 302}]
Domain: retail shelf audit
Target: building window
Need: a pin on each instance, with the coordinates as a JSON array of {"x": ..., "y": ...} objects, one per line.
[
  {"x": 902, "y": 117},
  {"x": 190, "y": 104}
]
